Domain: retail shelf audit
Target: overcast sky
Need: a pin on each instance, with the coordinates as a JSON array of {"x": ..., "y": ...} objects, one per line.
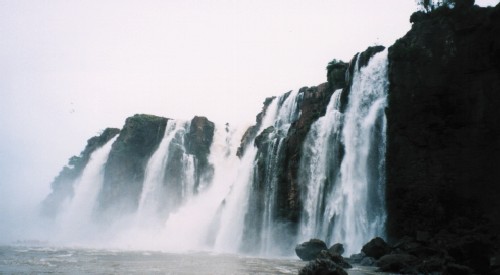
[{"x": 68, "y": 68}]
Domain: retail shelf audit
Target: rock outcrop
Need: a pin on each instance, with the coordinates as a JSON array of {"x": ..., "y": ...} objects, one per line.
[
  {"x": 124, "y": 171},
  {"x": 198, "y": 141}
]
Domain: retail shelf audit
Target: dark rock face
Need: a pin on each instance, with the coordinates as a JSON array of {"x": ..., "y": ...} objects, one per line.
[
  {"x": 310, "y": 250},
  {"x": 198, "y": 141},
  {"x": 376, "y": 248},
  {"x": 359, "y": 61},
  {"x": 443, "y": 137},
  {"x": 397, "y": 263},
  {"x": 251, "y": 132},
  {"x": 62, "y": 186},
  {"x": 124, "y": 171}
]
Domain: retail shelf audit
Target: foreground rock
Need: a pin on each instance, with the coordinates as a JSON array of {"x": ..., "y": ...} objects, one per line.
[
  {"x": 310, "y": 250},
  {"x": 322, "y": 260},
  {"x": 337, "y": 248},
  {"x": 336, "y": 258},
  {"x": 397, "y": 263},
  {"x": 376, "y": 248},
  {"x": 322, "y": 267},
  {"x": 444, "y": 253}
]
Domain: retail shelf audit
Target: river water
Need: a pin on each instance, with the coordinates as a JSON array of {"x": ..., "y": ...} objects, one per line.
[{"x": 42, "y": 260}]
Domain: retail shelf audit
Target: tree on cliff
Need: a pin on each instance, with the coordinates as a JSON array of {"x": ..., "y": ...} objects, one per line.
[{"x": 430, "y": 5}]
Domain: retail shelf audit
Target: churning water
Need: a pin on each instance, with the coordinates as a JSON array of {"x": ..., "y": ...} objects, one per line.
[{"x": 41, "y": 260}]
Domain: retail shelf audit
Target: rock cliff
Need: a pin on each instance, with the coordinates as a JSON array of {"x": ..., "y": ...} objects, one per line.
[
  {"x": 124, "y": 171},
  {"x": 443, "y": 149}
]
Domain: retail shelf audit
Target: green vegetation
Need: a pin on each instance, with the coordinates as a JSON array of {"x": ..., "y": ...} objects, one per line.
[{"x": 430, "y": 5}]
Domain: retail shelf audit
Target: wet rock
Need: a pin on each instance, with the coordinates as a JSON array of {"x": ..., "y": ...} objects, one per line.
[
  {"x": 125, "y": 167},
  {"x": 356, "y": 258},
  {"x": 431, "y": 265},
  {"x": 376, "y": 248},
  {"x": 198, "y": 141},
  {"x": 310, "y": 250},
  {"x": 337, "y": 248},
  {"x": 367, "y": 261},
  {"x": 322, "y": 267},
  {"x": 397, "y": 263},
  {"x": 336, "y": 258}
]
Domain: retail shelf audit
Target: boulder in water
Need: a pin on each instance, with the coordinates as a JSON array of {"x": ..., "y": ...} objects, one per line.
[
  {"x": 367, "y": 261},
  {"x": 376, "y": 248},
  {"x": 322, "y": 266},
  {"x": 336, "y": 258},
  {"x": 337, "y": 248},
  {"x": 310, "y": 250}
]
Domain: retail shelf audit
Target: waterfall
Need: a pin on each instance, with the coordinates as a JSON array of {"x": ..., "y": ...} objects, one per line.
[
  {"x": 344, "y": 164},
  {"x": 319, "y": 169},
  {"x": 195, "y": 225},
  {"x": 361, "y": 192},
  {"x": 232, "y": 219},
  {"x": 263, "y": 232},
  {"x": 213, "y": 199},
  {"x": 154, "y": 200},
  {"x": 76, "y": 216}
]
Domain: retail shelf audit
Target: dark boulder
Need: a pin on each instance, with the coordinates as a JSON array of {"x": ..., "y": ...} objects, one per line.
[
  {"x": 310, "y": 250},
  {"x": 367, "y": 261},
  {"x": 322, "y": 267},
  {"x": 337, "y": 248},
  {"x": 402, "y": 263},
  {"x": 356, "y": 258},
  {"x": 376, "y": 248},
  {"x": 336, "y": 258}
]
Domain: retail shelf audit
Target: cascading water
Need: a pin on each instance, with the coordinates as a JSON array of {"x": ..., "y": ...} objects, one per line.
[
  {"x": 361, "y": 192},
  {"x": 263, "y": 232},
  {"x": 232, "y": 218},
  {"x": 215, "y": 200},
  {"x": 319, "y": 169},
  {"x": 153, "y": 196},
  {"x": 195, "y": 225},
  {"x": 345, "y": 203},
  {"x": 76, "y": 217}
]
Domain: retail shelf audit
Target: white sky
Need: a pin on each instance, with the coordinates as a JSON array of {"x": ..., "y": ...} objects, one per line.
[{"x": 68, "y": 68}]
